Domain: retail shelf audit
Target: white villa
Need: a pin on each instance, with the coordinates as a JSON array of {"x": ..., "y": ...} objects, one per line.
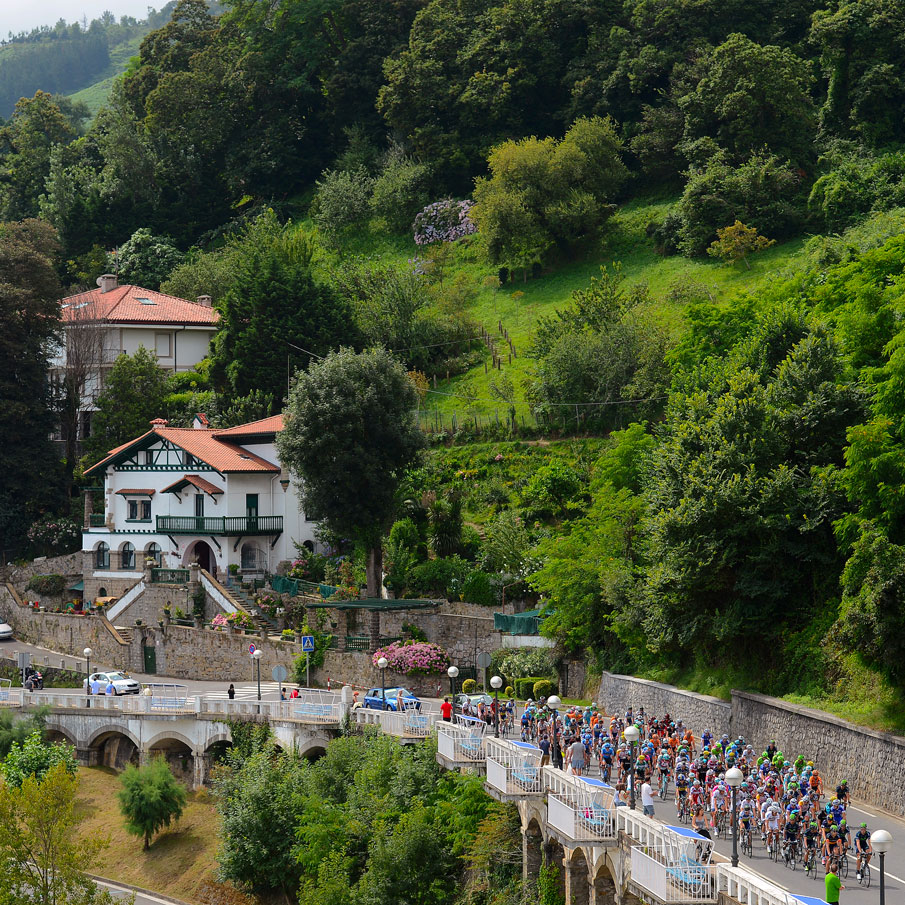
[
  {"x": 184, "y": 495},
  {"x": 103, "y": 323}
]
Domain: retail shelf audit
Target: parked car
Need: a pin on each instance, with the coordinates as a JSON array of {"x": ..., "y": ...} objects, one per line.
[
  {"x": 374, "y": 701},
  {"x": 121, "y": 684},
  {"x": 473, "y": 699},
  {"x": 6, "y": 632}
]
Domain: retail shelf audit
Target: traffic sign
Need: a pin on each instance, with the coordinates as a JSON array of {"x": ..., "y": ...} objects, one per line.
[
  {"x": 483, "y": 660},
  {"x": 308, "y": 643},
  {"x": 279, "y": 673},
  {"x": 251, "y": 648}
]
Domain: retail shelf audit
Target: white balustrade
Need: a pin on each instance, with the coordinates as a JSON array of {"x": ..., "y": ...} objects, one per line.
[
  {"x": 513, "y": 768},
  {"x": 749, "y": 888},
  {"x": 580, "y": 808},
  {"x": 411, "y": 723},
  {"x": 461, "y": 743}
]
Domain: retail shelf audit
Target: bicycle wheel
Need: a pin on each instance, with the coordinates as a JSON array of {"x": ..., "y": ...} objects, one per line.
[
  {"x": 865, "y": 875},
  {"x": 843, "y": 867}
]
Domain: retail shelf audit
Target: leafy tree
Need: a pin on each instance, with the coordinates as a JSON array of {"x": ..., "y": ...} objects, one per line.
[
  {"x": 400, "y": 191},
  {"x": 42, "y": 853},
  {"x": 26, "y": 143},
  {"x": 150, "y": 799},
  {"x": 258, "y": 799},
  {"x": 751, "y": 98},
  {"x": 737, "y": 242},
  {"x": 147, "y": 260},
  {"x": 763, "y": 191},
  {"x": 134, "y": 393},
  {"x": 275, "y": 311},
  {"x": 16, "y": 729},
  {"x": 33, "y": 757},
  {"x": 351, "y": 433},
  {"x": 545, "y": 193},
  {"x": 342, "y": 201},
  {"x": 29, "y": 325}
]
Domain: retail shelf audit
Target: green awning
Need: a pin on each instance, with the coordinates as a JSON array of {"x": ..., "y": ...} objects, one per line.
[
  {"x": 527, "y": 623},
  {"x": 78, "y": 586}
]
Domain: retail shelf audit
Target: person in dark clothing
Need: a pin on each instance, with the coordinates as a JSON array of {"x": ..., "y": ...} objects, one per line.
[{"x": 231, "y": 691}]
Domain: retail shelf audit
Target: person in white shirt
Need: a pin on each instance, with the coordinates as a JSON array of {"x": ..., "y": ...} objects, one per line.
[{"x": 647, "y": 799}]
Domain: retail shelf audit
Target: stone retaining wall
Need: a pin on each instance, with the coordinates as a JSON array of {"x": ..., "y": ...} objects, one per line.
[
  {"x": 698, "y": 711},
  {"x": 870, "y": 760},
  {"x": 69, "y": 564}
]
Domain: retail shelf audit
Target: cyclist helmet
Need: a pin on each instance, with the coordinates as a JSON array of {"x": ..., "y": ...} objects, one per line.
[
  {"x": 863, "y": 826},
  {"x": 814, "y": 825},
  {"x": 843, "y": 822}
]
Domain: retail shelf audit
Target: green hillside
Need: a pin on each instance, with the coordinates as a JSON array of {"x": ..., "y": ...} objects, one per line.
[{"x": 95, "y": 95}]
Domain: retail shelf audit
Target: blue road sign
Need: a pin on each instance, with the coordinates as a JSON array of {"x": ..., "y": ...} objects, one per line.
[
  {"x": 251, "y": 648},
  {"x": 308, "y": 643}
]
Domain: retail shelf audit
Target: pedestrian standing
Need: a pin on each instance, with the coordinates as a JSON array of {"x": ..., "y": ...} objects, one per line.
[
  {"x": 833, "y": 885},
  {"x": 446, "y": 710},
  {"x": 400, "y": 701},
  {"x": 231, "y": 691},
  {"x": 282, "y": 694},
  {"x": 95, "y": 685},
  {"x": 647, "y": 798},
  {"x": 576, "y": 753},
  {"x": 544, "y": 746},
  {"x": 110, "y": 690}
]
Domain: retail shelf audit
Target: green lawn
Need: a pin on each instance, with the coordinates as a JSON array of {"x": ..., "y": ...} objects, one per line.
[{"x": 518, "y": 304}]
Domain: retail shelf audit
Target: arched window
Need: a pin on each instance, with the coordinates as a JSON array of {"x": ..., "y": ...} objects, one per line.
[
  {"x": 102, "y": 556},
  {"x": 153, "y": 552},
  {"x": 127, "y": 557}
]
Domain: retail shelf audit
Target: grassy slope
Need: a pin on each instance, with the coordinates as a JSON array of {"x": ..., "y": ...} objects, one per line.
[
  {"x": 519, "y": 304},
  {"x": 181, "y": 861},
  {"x": 95, "y": 95}
]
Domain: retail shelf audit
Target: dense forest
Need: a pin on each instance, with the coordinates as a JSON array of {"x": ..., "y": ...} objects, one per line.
[{"x": 445, "y": 178}]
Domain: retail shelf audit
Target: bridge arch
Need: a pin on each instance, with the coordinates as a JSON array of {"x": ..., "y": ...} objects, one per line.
[
  {"x": 170, "y": 735},
  {"x": 576, "y": 877},
  {"x": 56, "y": 732},
  {"x": 111, "y": 728},
  {"x": 532, "y": 850},
  {"x": 113, "y": 746},
  {"x": 312, "y": 748}
]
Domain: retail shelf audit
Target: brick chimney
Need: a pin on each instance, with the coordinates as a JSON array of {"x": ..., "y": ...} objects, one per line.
[
  {"x": 107, "y": 281},
  {"x": 205, "y": 301}
]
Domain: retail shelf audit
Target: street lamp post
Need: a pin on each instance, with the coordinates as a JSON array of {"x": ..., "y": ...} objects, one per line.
[
  {"x": 88, "y": 652},
  {"x": 496, "y": 682},
  {"x": 631, "y": 736},
  {"x": 256, "y": 656},
  {"x": 452, "y": 672},
  {"x": 382, "y": 664},
  {"x": 734, "y": 777},
  {"x": 880, "y": 842},
  {"x": 554, "y": 702}
]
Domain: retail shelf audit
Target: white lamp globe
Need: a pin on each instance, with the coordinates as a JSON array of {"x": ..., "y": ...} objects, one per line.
[
  {"x": 496, "y": 682},
  {"x": 452, "y": 672},
  {"x": 880, "y": 840},
  {"x": 632, "y": 734},
  {"x": 382, "y": 663}
]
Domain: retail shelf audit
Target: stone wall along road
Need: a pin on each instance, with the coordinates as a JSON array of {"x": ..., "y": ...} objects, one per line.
[{"x": 697, "y": 711}]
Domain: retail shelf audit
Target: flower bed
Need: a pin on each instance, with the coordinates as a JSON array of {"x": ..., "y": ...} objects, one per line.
[{"x": 413, "y": 658}]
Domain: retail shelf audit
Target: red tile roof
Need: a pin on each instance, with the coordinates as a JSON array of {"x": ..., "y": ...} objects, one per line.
[
  {"x": 124, "y": 305},
  {"x": 220, "y": 454},
  {"x": 271, "y": 425},
  {"x": 195, "y": 481},
  {"x": 143, "y": 492}
]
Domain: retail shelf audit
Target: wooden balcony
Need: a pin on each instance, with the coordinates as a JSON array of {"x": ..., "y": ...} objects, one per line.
[{"x": 216, "y": 524}]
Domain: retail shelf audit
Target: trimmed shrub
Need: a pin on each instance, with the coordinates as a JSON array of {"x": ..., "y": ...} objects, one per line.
[
  {"x": 543, "y": 688},
  {"x": 469, "y": 686},
  {"x": 509, "y": 691},
  {"x": 524, "y": 687}
]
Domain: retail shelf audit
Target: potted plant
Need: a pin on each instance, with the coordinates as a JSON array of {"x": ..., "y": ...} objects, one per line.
[
  {"x": 138, "y": 622},
  {"x": 233, "y": 568},
  {"x": 287, "y": 635}
]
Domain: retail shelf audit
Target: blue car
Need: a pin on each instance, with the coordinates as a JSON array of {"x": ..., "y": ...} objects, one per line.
[{"x": 374, "y": 701}]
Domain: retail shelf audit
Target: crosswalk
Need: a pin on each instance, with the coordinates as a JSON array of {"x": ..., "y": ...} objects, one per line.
[{"x": 269, "y": 691}]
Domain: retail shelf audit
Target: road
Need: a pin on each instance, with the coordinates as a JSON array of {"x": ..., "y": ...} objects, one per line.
[{"x": 141, "y": 898}]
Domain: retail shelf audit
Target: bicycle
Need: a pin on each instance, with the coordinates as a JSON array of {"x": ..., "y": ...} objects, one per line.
[
  {"x": 664, "y": 786},
  {"x": 720, "y": 823},
  {"x": 790, "y": 854},
  {"x": 810, "y": 863},
  {"x": 684, "y": 814},
  {"x": 843, "y": 865},
  {"x": 864, "y": 879},
  {"x": 747, "y": 842}
]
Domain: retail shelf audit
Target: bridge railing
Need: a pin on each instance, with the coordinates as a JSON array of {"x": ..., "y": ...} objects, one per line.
[
  {"x": 74, "y": 701},
  {"x": 412, "y": 722},
  {"x": 513, "y": 768},
  {"x": 313, "y": 707},
  {"x": 462, "y": 742},
  {"x": 365, "y": 716},
  {"x": 579, "y": 807},
  {"x": 9, "y": 696},
  {"x": 751, "y": 889}
]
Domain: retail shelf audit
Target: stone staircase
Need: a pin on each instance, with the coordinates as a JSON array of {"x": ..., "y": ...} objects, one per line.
[
  {"x": 245, "y": 601},
  {"x": 125, "y": 632}
]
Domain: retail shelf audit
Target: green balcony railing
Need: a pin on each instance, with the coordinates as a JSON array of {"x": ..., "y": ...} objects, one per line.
[
  {"x": 217, "y": 524},
  {"x": 97, "y": 519},
  {"x": 169, "y": 576},
  {"x": 358, "y": 642}
]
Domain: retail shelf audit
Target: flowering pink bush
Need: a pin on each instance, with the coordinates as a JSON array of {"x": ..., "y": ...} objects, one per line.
[
  {"x": 219, "y": 621},
  {"x": 414, "y": 658},
  {"x": 54, "y": 534},
  {"x": 444, "y": 221}
]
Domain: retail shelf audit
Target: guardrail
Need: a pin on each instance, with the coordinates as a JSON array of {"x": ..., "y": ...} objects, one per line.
[
  {"x": 673, "y": 881},
  {"x": 411, "y": 723},
  {"x": 218, "y": 592},
  {"x": 750, "y": 889},
  {"x": 126, "y": 600},
  {"x": 513, "y": 768}
]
